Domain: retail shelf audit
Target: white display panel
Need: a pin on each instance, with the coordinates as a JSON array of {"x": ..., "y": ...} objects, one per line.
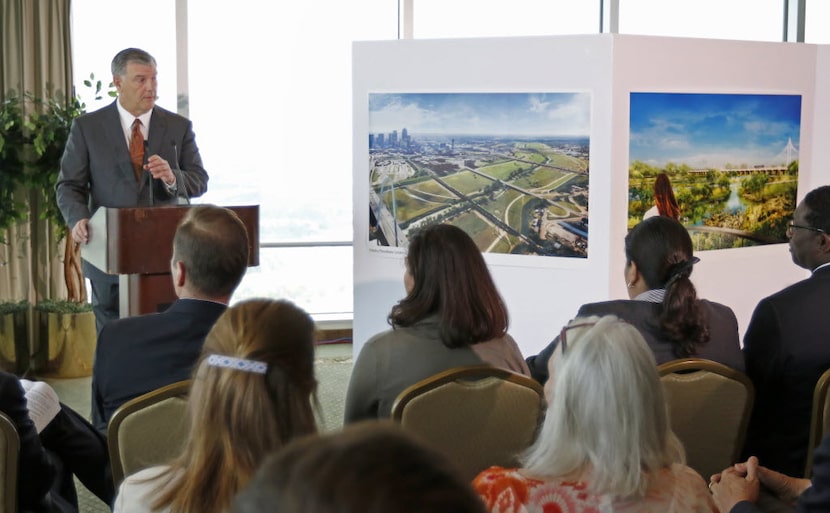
[{"x": 541, "y": 295}]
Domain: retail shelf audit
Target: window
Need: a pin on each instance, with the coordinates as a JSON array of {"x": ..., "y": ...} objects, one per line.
[
  {"x": 817, "y": 21},
  {"x": 101, "y": 28},
  {"x": 755, "y": 20},
  {"x": 492, "y": 18},
  {"x": 270, "y": 100}
]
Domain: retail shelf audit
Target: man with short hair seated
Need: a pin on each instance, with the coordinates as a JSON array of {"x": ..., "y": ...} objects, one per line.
[{"x": 137, "y": 355}]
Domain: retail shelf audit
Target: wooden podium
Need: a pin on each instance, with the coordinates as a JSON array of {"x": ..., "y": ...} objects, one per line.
[{"x": 137, "y": 244}]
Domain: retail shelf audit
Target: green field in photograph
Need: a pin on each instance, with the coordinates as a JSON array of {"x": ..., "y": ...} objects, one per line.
[
  {"x": 532, "y": 156},
  {"x": 504, "y": 245},
  {"x": 467, "y": 182},
  {"x": 516, "y": 216},
  {"x": 543, "y": 177},
  {"x": 561, "y": 209},
  {"x": 477, "y": 228},
  {"x": 431, "y": 188},
  {"x": 568, "y": 162},
  {"x": 407, "y": 205},
  {"x": 502, "y": 170},
  {"x": 499, "y": 205}
]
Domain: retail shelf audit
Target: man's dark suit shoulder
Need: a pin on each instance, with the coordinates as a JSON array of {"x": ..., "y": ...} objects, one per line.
[{"x": 139, "y": 354}]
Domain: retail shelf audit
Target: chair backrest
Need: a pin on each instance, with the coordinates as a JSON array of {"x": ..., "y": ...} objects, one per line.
[
  {"x": 709, "y": 407},
  {"x": 478, "y": 416},
  {"x": 820, "y": 419},
  {"x": 148, "y": 430},
  {"x": 10, "y": 449}
]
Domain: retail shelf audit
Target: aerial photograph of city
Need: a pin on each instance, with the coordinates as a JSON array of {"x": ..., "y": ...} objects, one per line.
[
  {"x": 724, "y": 165},
  {"x": 510, "y": 169}
]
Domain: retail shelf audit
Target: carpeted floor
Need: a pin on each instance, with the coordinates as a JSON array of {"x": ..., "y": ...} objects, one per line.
[{"x": 333, "y": 366}]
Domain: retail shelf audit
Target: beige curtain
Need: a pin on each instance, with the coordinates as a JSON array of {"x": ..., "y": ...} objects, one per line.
[{"x": 35, "y": 56}]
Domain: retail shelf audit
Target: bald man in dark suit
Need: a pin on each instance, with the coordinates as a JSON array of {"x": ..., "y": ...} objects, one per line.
[{"x": 112, "y": 156}]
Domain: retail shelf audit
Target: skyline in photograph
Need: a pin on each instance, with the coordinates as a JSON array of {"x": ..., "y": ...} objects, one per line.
[{"x": 493, "y": 114}]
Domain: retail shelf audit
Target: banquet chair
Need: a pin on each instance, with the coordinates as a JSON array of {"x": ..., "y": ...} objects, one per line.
[
  {"x": 819, "y": 420},
  {"x": 148, "y": 430},
  {"x": 478, "y": 416},
  {"x": 10, "y": 449},
  {"x": 709, "y": 409}
]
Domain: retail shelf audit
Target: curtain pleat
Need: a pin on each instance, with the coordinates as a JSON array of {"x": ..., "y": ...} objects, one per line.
[{"x": 35, "y": 56}]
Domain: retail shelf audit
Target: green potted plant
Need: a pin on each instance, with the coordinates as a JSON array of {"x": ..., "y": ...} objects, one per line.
[
  {"x": 12, "y": 142},
  {"x": 65, "y": 345},
  {"x": 14, "y": 336},
  {"x": 14, "y": 333}
]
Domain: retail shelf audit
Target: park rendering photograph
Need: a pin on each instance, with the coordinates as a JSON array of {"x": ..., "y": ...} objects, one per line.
[{"x": 731, "y": 161}]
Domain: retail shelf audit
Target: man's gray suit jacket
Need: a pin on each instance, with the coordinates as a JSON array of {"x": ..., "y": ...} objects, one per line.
[{"x": 96, "y": 170}]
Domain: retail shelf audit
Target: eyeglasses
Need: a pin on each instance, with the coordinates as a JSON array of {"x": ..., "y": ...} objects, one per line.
[
  {"x": 563, "y": 335},
  {"x": 791, "y": 226}
]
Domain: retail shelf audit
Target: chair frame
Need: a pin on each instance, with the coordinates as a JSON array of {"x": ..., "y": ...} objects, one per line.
[
  {"x": 178, "y": 389},
  {"x": 701, "y": 364},
  {"x": 465, "y": 372},
  {"x": 12, "y": 455},
  {"x": 817, "y": 419}
]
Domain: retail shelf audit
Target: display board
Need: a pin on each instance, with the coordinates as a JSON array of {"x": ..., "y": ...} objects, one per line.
[{"x": 526, "y": 143}]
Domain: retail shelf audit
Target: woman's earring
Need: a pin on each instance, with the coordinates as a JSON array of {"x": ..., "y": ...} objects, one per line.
[{"x": 628, "y": 284}]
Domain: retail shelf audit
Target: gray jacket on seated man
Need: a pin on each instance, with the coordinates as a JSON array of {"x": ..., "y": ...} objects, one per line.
[{"x": 137, "y": 355}]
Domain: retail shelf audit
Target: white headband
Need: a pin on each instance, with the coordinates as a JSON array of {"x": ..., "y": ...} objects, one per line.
[{"x": 229, "y": 362}]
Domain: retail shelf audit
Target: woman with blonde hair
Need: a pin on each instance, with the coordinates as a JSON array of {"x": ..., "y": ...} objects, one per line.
[
  {"x": 252, "y": 392},
  {"x": 606, "y": 443}
]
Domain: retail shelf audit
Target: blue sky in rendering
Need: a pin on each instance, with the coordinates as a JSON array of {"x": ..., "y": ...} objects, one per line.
[
  {"x": 712, "y": 130},
  {"x": 496, "y": 114}
]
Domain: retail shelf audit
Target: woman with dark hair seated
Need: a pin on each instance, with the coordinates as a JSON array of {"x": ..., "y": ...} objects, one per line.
[
  {"x": 369, "y": 467},
  {"x": 663, "y": 302},
  {"x": 452, "y": 315},
  {"x": 252, "y": 392}
]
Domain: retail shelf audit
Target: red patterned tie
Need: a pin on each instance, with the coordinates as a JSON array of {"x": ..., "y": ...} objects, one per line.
[{"x": 137, "y": 149}]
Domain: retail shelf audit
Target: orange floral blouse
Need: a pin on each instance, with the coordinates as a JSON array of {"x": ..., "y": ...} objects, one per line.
[{"x": 677, "y": 489}]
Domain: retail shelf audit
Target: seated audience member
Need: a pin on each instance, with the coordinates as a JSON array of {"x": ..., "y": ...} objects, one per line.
[
  {"x": 737, "y": 490},
  {"x": 452, "y": 315},
  {"x": 786, "y": 345},
  {"x": 137, "y": 355},
  {"x": 663, "y": 302},
  {"x": 606, "y": 443},
  {"x": 55, "y": 443},
  {"x": 369, "y": 467},
  {"x": 252, "y": 393}
]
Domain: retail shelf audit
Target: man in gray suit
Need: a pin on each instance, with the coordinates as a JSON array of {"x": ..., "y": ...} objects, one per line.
[{"x": 128, "y": 154}]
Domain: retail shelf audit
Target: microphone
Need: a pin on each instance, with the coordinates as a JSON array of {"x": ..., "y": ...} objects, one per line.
[
  {"x": 149, "y": 174},
  {"x": 180, "y": 176}
]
